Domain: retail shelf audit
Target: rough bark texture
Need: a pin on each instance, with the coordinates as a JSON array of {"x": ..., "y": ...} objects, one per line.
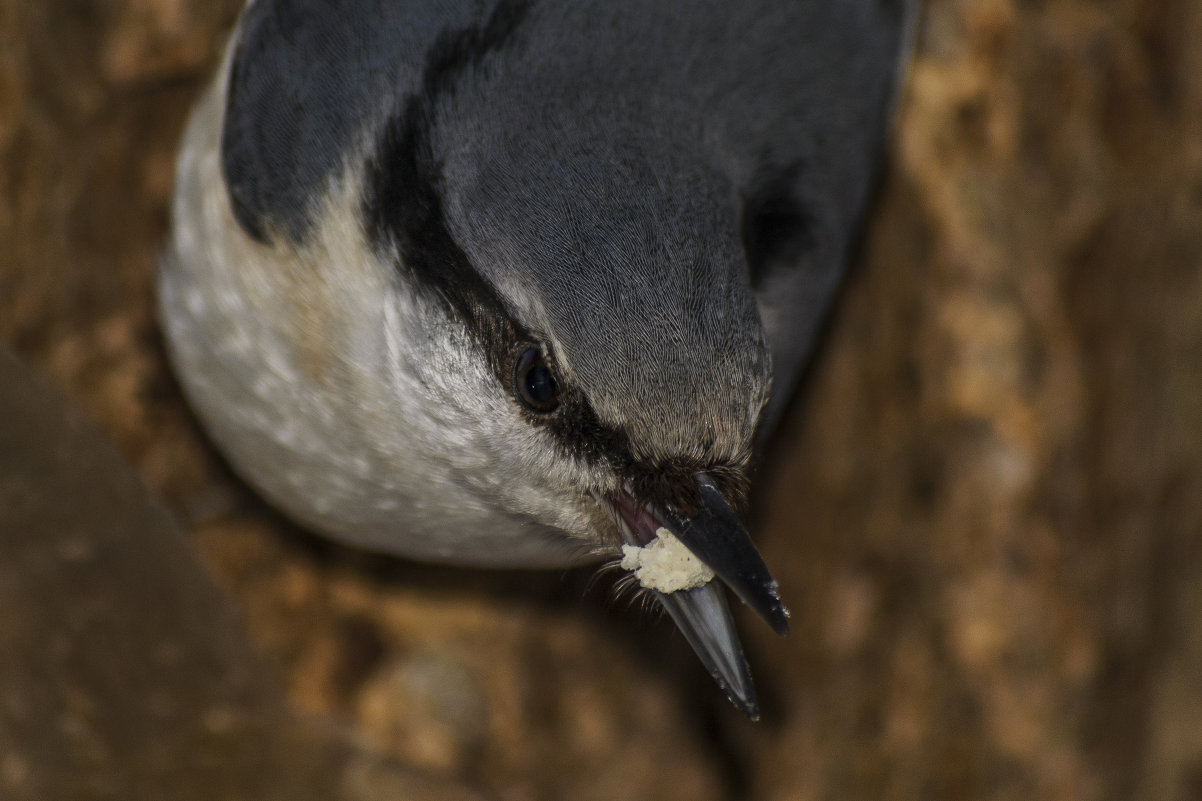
[
  {"x": 985, "y": 509},
  {"x": 124, "y": 673}
]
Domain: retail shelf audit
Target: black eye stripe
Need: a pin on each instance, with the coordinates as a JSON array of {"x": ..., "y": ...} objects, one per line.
[{"x": 534, "y": 383}]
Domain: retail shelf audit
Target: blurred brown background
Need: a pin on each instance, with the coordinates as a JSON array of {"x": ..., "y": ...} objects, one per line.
[{"x": 985, "y": 510}]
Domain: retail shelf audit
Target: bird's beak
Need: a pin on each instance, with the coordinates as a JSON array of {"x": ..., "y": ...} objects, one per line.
[{"x": 713, "y": 533}]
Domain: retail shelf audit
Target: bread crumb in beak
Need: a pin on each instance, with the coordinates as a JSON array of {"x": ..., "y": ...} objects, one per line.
[{"x": 665, "y": 564}]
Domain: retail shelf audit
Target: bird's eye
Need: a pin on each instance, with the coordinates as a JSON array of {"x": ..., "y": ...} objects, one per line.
[{"x": 534, "y": 383}]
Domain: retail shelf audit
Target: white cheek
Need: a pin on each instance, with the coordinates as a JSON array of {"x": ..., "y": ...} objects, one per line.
[{"x": 397, "y": 436}]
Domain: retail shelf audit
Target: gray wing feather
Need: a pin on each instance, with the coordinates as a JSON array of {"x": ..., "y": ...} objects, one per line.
[{"x": 307, "y": 78}]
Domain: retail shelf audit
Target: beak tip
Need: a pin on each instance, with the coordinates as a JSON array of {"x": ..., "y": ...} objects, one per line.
[
  {"x": 702, "y": 616},
  {"x": 779, "y": 621},
  {"x": 776, "y": 614},
  {"x": 748, "y": 706},
  {"x": 766, "y": 604},
  {"x": 741, "y": 695}
]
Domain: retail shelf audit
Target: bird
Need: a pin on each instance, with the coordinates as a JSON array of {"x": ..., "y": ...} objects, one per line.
[{"x": 526, "y": 283}]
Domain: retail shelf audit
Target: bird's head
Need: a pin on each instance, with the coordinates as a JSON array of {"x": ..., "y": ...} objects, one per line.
[
  {"x": 542, "y": 331},
  {"x": 619, "y": 366}
]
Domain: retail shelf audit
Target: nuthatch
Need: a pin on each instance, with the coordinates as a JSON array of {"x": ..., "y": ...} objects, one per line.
[{"x": 517, "y": 286}]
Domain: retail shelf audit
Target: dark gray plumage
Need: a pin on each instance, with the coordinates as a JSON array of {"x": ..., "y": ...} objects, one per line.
[{"x": 515, "y": 283}]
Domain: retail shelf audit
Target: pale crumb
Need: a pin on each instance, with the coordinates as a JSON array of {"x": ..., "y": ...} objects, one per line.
[{"x": 665, "y": 564}]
